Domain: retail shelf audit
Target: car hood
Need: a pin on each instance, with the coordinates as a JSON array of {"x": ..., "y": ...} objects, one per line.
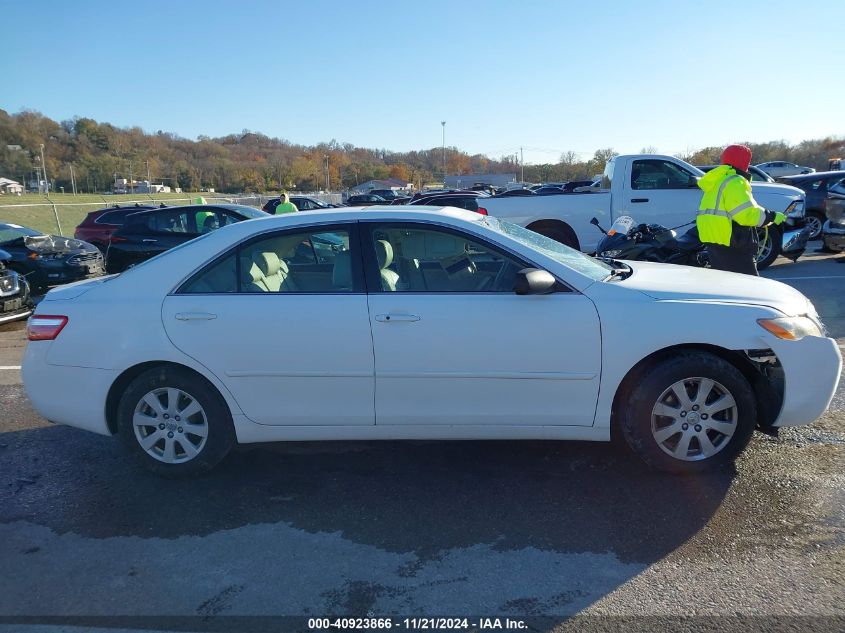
[
  {"x": 49, "y": 244},
  {"x": 776, "y": 188},
  {"x": 669, "y": 282}
]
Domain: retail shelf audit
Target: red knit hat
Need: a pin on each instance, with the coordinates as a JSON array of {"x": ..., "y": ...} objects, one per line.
[{"x": 738, "y": 156}]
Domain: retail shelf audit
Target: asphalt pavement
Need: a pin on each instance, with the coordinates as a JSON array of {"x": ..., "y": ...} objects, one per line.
[{"x": 543, "y": 530}]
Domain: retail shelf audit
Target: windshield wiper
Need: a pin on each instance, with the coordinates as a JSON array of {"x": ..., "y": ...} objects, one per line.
[{"x": 620, "y": 269}]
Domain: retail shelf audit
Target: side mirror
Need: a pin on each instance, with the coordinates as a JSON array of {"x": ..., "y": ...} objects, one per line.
[{"x": 534, "y": 281}]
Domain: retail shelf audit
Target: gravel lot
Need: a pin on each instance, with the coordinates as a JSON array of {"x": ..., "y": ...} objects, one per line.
[{"x": 478, "y": 529}]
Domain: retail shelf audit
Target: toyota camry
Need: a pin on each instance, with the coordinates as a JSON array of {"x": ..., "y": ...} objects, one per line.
[{"x": 395, "y": 322}]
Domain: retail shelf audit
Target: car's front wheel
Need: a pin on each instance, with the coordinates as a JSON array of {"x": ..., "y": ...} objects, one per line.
[
  {"x": 689, "y": 413},
  {"x": 769, "y": 246},
  {"x": 175, "y": 422}
]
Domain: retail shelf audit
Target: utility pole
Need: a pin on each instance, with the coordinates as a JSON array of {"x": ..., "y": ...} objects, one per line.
[
  {"x": 328, "y": 184},
  {"x": 149, "y": 180},
  {"x": 72, "y": 180},
  {"x": 522, "y": 162},
  {"x": 44, "y": 170},
  {"x": 443, "y": 123},
  {"x": 131, "y": 186}
]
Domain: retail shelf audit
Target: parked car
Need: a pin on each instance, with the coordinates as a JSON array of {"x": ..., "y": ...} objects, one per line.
[
  {"x": 777, "y": 168},
  {"x": 654, "y": 188},
  {"x": 423, "y": 324},
  {"x": 98, "y": 226},
  {"x": 47, "y": 260},
  {"x": 468, "y": 200},
  {"x": 388, "y": 194},
  {"x": 303, "y": 203},
  {"x": 15, "y": 301},
  {"x": 365, "y": 199},
  {"x": 146, "y": 234},
  {"x": 816, "y": 187},
  {"x": 833, "y": 232},
  {"x": 512, "y": 193},
  {"x": 757, "y": 174}
]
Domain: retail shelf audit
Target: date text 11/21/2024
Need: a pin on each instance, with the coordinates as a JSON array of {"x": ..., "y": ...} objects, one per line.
[{"x": 418, "y": 623}]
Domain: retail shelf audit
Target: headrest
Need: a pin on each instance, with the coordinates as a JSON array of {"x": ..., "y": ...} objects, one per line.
[
  {"x": 268, "y": 263},
  {"x": 342, "y": 271},
  {"x": 384, "y": 254},
  {"x": 252, "y": 274}
]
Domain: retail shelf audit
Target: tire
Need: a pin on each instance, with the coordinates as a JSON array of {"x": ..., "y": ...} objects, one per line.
[
  {"x": 559, "y": 233},
  {"x": 816, "y": 220},
  {"x": 177, "y": 445},
  {"x": 770, "y": 249},
  {"x": 649, "y": 433}
]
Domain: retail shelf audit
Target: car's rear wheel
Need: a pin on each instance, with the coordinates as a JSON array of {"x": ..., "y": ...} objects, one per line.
[
  {"x": 689, "y": 413},
  {"x": 175, "y": 422}
]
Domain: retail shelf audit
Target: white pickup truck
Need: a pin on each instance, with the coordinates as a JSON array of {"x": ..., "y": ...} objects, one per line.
[{"x": 649, "y": 187}]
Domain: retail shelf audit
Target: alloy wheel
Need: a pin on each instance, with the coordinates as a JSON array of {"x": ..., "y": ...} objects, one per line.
[
  {"x": 815, "y": 226},
  {"x": 170, "y": 425},
  {"x": 694, "y": 419}
]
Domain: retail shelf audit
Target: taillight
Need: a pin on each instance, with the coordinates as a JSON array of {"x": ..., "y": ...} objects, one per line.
[
  {"x": 481, "y": 210},
  {"x": 116, "y": 238},
  {"x": 44, "y": 327}
]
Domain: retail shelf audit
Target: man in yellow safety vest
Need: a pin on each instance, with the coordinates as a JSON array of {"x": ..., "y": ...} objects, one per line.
[{"x": 728, "y": 214}]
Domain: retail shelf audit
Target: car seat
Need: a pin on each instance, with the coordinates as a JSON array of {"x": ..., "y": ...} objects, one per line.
[{"x": 384, "y": 257}]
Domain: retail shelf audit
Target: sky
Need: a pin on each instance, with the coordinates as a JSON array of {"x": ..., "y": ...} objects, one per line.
[{"x": 547, "y": 76}]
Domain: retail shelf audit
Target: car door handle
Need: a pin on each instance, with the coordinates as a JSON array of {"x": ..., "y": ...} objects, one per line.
[
  {"x": 639, "y": 199},
  {"x": 392, "y": 318},
  {"x": 195, "y": 316},
  {"x": 149, "y": 241}
]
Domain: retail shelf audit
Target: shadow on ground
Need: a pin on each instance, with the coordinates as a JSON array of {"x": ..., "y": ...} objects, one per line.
[{"x": 421, "y": 497}]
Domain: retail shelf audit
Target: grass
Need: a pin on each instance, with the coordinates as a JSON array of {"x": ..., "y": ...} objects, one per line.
[{"x": 36, "y": 210}]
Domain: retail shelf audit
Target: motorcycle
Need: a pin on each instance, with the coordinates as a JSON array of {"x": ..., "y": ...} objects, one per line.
[
  {"x": 656, "y": 243},
  {"x": 651, "y": 242}
]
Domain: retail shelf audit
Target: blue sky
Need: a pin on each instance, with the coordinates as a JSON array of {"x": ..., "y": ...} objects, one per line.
[{"x": 548, "y": 76}]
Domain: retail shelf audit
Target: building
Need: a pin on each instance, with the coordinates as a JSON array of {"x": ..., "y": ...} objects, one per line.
[
  {"x": 464, "y": 181},
  {"x": 11, "y": 187},
  {"x": 394, "y": 184}
]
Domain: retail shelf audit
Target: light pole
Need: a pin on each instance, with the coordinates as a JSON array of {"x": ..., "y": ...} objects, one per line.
[
  {"x": 443, "y": 123},
  {"x": 522, "y": 163},
  {"x": 44, "y": 170},
  {"x": 328, "y": 184}
]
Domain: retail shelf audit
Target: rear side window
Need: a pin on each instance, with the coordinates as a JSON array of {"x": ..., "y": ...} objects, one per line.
[
  {"x": 660, "y": 174},
  {"x": 309, "y": 261},
  {"x": 114, "y": 217}
]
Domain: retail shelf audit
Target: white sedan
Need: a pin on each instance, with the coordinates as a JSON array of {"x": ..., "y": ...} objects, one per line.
[
  {"x": 422, "y": 323},
  {"x": 778, "y": 168}
]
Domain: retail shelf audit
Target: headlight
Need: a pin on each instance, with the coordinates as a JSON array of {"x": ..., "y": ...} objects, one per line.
[
  {"x": 613, "y": 253},
  {"x": 795, "y": 210},
  {"x": 791, "y": 328}
]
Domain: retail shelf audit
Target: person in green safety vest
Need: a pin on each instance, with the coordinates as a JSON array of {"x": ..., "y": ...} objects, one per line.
[
  {"x": 285, "y": 205},
  {"x": 728, "y": 214}
]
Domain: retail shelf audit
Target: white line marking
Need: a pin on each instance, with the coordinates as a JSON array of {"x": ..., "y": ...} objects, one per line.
[
  {"x": 10, "y": 366},
  {"x": 819, "y": 277}
]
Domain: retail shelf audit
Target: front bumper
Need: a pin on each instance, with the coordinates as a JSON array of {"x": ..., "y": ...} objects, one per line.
[
  {"x": 833, "y": 236},
  {"x": 794, "y": 241},
  {"x": 812, "y": 367}
]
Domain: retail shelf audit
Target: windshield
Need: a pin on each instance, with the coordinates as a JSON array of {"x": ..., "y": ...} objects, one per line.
[
  {"x": 576, "y": 260},
  {"x": 249, "y": 212},
  {"x": 12, "y": 232},
  {"x": 623, "y": 225}
]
